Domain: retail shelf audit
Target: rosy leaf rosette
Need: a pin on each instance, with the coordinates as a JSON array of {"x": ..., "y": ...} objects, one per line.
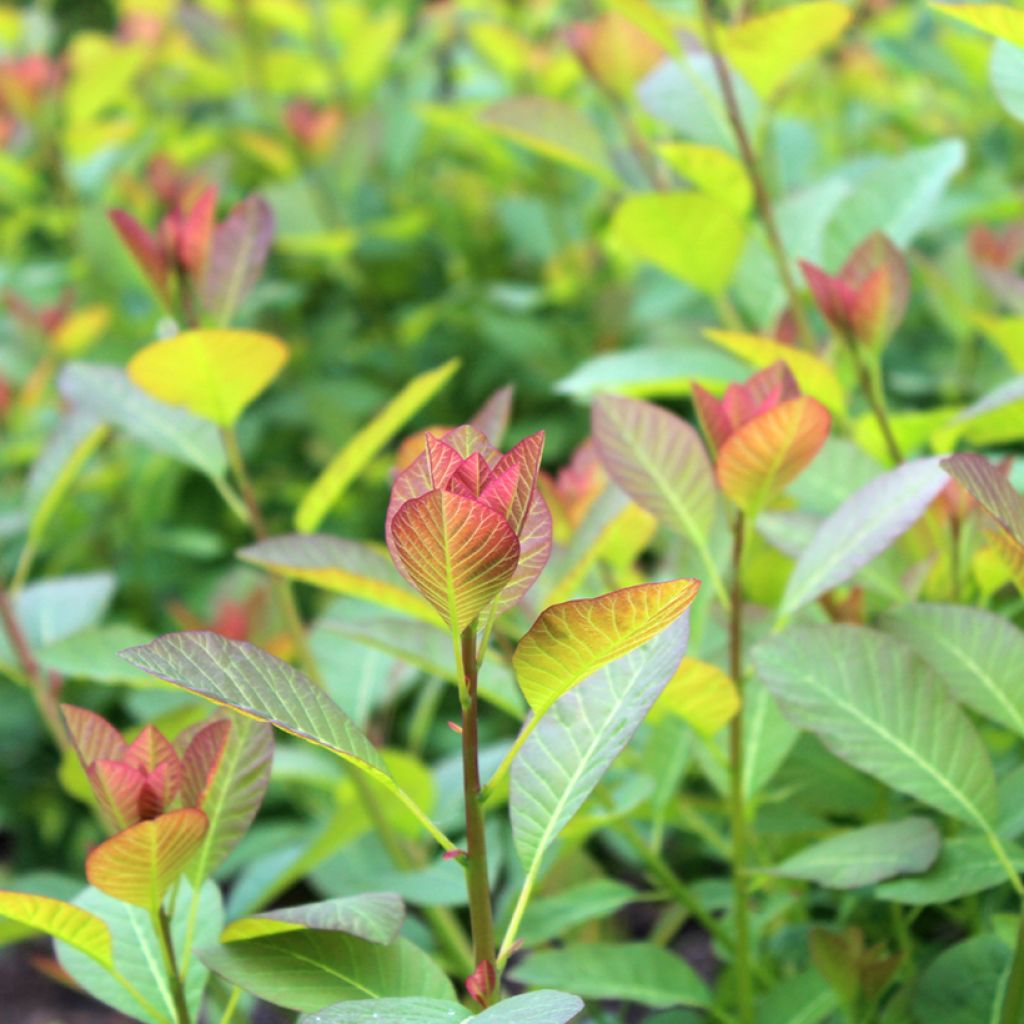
[
  {"x": 763, "y": 434},
  {"x": 466, "y": 525}
]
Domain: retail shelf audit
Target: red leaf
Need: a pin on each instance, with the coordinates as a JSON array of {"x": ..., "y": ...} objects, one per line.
[
  {"x": 196, "y": 230},
  {"x": 201, "y": 760},
  {"x": 990, "y": 488},
  {"x": 526, "y": 455},
  {"x": 481, "y": 983},
  {"x": 94, "y": 737},
  {"x": 118, "y": 789},
  {"x": 145, "y": 248}
]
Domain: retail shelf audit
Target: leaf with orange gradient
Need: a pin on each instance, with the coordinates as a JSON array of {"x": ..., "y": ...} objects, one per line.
[
  {"x": 701, "y": 694},
  {"x": 140, "y": 864},
  {"x": 201, "y": 759},
  {"x": 569, "y": 641},
  {"x": 211, "y": 373},
  {"x": 770, "y": 451},
  {"x": 118, "y": 790},
  {"x": 93, "y": 736},
  {"x": 62, "y": 921},
  {"x": 456, "y": 551}
]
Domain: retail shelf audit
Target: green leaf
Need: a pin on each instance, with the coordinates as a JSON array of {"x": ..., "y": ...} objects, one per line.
[
  {"x": 107, "y": 393},
  {"x": 545, "y": 1007},
  {"x": 864, "y": 856},
  {"x": 977, "y": 654},
  {"x": 555, "y": 130},
  {"x": 964, "y": 984},
  {"x": 876, "y": 706},
  {"x": 649, "y": 227},
  {"x": 374, "y": 916},
  {"x": 328, "y": 489},
  {"x": 554, "y": 916},
  {"x": 62, "y": 921},
  {"x": 966, "y": 866},
  {"x": 635, "y": 972},
  {"x": 1000, "y": 20},
  {"x": 344, "y": 566},
  {"x": 91, "y": 654},
  {"x": 571, "y": 640},
  {"x": 577, "y": 740},
  {"x": 308, "y": 970},
  {"x": 1006, "y": 70},
  {"x": 138, "y": 957},
  {"x": 139, "y": 864},
  {"x": 803, "y": 999},
  {"x": 659, "y": 460},
  {"x": 861, "y": 528}
]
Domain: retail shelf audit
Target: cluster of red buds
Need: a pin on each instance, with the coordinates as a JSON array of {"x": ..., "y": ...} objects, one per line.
[{"x": 315, "y": 128}]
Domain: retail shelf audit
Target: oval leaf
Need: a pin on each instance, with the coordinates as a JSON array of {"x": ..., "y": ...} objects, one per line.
[
  {"x": 63, "y": 921},
  {"x": 544, "y": 1007},
  {"x": 374, "y": 916},
  {"x": 211, "y": 373}
]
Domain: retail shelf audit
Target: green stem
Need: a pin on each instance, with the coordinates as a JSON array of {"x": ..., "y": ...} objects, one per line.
[
  {"x": 162, "y": 927},
  {"x": 870, "y": 385},
  {"x": 232, "y": 1003},
  {"x": 477, "y": 883},
  {"x": 737, "y": 804},
  {"x": 757, "y": 182},
  {"x": 1013, "y": 1001}
]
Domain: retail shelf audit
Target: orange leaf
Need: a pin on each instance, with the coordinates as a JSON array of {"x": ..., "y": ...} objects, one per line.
[
  {"x": 771, "y": 450},
  {"x": 139, "y": 865}
]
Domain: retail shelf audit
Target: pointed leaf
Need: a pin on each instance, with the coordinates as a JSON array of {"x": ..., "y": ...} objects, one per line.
[
  {"x": 307, "y": 970},
  {"x": 145, "y": 248},
  {"x": 990, "y": 489},
  {"x": 329, "y": 487},
  {"x": 139, "y": 865},
  {"x": 633, "y": 972},
  {"x": 62, "y": 921},
  {"x": 456, "y": 551},
  {"x": 94, "y": 737},
  {"x": 211, "y": 373},
  {"x": 700, "y": 694},
  {"x": 976, "y": 653},
  {"x": 578, "y": 739},
  {"x": 877, "y": 707},
  {"x": 659, "y": 460},
  {"x": 861, "y": 528},
  {"x": 201, "y": 759},
  {"x": 492, "y": 417},
  {"x": 544, "y": 1007},
  {"x": 570, "y": 641},
  {"x": 236, "y": 257},
  {"x": 864, "y": 856},
  {"x": 1000, "y": 20},
  {"x": 534, "y": 552},
  {"x": 769, "y": 451},
  {"x": 374, "y": 916},
  {"x": 118, "y": 789},
  {"x": 344, "y": 566}
]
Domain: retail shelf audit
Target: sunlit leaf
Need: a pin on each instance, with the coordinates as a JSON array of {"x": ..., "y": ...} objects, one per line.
[
  {"x": 768, "y": 452},
  {"x": 861, "y": 528},
  {"x": 650, "y": 227},
  {"x": 701, "y": 694},
  {"x": 633, "y": 972},
  {"x": 573, "y": 745},
  {"x": 211, "y": 373},
  {"x": 1003, "y": 21},
  {"x": 308, "y": 970},
  {"x": 544, "y": 1007},
  {"x": 62, "y": 921},
  {"x": 374, "y": 916},
  {"x": 570, "y": 641},
  {"x": 139, "y": 865},
  {"x": 459, "y": 553},
  {"x": 712, "y": 170},
  {"x": 328, "y": 489},
  {"x": 344, "y": 566},
  {"x": 869, "y": 699},
  {"x": 975, "y": 652},
  {"x": 865, "y": 856}
]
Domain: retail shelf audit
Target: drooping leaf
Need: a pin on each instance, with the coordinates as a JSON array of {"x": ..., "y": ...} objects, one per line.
[
  {"x": 578, "y": 739},
  {"x": 329, "y": 487},
  {"x": 138, "y": 957},
  {"x": 139, "y": 865},
  {"x": 701, "y": 694},
  {"x": 877, "y": 707},
  {"x": 975, "y": 652},
  {"x": 544, "y": 1007},
  {"x": 553, "y": 129},
  {"x": 62, "y": 921},
  {"x": 237, "y": 254},
  {"x": 569, "y": 641},
  {"x": 634, "y": 972},
  {"x": 308, "y": 970},
  {"x": 459, "y": 553},
  {"x": 648, "y": 226},
  {"x": 768, "y": 452},
  {"x": 659, "y": 460},
  {"x": 344, "y": 566},
  {"x": 861, "y": 528},
  {"x": 867, "y": 855},
  {"x": 107, "y": 393},
  {"x": 214, "y": 374},
  {"x": 374, "y": 916}
]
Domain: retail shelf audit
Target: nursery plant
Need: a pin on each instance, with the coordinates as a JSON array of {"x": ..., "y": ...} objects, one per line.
[{"x": 510, "y": 512}]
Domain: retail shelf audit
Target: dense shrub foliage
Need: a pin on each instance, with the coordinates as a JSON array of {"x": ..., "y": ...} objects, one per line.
[{"x": 508, "y": 511}]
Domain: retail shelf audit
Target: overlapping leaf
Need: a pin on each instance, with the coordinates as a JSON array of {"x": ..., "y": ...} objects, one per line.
[
  {"x": 214, "y": 374},
  {"x": 571, "y": 640},
  {"x": 373, "y": 916},
  {"x": 544, "y": 1007},
  {"x": 701, "y": 694},
  {"x": 63, "y": 921}
]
